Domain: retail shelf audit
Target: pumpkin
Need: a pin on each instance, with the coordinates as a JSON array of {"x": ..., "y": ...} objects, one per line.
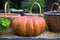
[{"x": 28, "y": 26}]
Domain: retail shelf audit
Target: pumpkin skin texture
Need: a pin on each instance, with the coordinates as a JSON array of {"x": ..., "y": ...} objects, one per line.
[{"x": 28, "y": 26}]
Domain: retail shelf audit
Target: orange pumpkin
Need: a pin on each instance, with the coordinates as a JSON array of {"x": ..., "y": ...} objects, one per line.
[{"x": 28, "y": 26}]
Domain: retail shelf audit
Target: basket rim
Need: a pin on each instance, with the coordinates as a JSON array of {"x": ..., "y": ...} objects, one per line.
[
  {"x": 52, "y": 13},
  {"x": 10, "y": 15}
]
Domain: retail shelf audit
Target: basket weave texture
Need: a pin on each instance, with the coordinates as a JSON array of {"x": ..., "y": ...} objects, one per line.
[{"x": 53, "y": 20}]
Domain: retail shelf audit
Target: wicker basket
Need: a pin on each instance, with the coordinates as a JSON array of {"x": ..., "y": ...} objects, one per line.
[
  {"x": 8, "y": 15},
  {"x": 34, "y": 14},
  {"x": 5, "y": 14},
  {"x": 53, "y": 19}
]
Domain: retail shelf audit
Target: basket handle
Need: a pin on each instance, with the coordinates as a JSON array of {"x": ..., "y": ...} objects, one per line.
[
  {"x": 33, "y": 5},
  {"x": 5, "y": 13},
  {"x": 53, "y": 5}
]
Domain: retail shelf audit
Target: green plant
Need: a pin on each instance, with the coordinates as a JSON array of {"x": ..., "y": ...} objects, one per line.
[
  {"x": 4, "y": 23},
  {"x": 12, "y": 3},
  {"x": 27, "y": 5}
]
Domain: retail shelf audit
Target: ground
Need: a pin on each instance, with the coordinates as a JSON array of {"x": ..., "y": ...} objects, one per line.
[{"x": 46, "y": 34}]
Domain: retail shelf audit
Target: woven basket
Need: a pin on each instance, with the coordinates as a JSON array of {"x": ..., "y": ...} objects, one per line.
[
  {"x": 8, "y": 15},
  {"x": 34, "y": 14},
  {"x": 53, "y": 19}
]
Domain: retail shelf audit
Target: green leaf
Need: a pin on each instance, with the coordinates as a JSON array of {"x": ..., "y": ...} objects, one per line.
[{"x": 4, "y": 23}]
